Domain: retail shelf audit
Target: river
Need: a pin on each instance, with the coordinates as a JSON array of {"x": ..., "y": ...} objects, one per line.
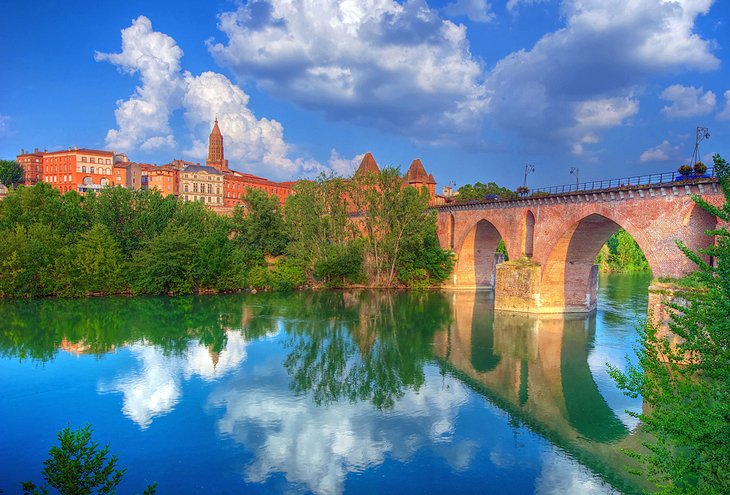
[{"x": 326, "y": 392}]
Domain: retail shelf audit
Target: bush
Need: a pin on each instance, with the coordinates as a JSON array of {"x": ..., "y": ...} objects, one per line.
[
  {"x": 258, "y": 278},
  {"x": 288, "y": 275}
]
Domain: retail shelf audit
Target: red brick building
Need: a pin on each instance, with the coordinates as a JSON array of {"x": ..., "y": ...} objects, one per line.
[
  {"x": 32, "y": 164},
  {"x": 74, "y": 169}
]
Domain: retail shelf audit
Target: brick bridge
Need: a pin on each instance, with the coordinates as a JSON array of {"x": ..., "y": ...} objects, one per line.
[{"x": 552, "y": 241}]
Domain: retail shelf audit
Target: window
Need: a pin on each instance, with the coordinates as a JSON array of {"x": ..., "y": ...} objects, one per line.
[
  {"x": 108, "y": 161},
  {"x": 83, "y": 158},
  {"x": 217, "y": 190},
  {"x": 108, "y": 171},
  {"x": 83, "y": 169},
  {"x": 92, "y": 169},
  {"x": 92, "y": 159},
  {"x": 186, "y": 190},
  {"x": 218, "y": 200},
  {"x": 210, "y": 188},
  {"x": 195, "y": 187}
]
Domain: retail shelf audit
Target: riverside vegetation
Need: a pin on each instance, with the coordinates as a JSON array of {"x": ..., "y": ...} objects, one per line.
[{"x": 138, "y": 242}]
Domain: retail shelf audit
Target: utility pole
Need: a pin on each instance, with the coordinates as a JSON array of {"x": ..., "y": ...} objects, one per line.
[{"x": 701, "y": 134}]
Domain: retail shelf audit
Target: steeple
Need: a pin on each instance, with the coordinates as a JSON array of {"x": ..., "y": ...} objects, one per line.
[
  {"x": 367, "y": 165},
  {"x": 216, "y": 157}
]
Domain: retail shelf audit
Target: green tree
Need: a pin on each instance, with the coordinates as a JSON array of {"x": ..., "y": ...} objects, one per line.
[
  {"x": 393, "y": 218},
  {"x": 480, "y": 191},
  {"x": 166, "y": 263},
  {"x": 79, "y": 467},
  {"x": 686, "y": 383},
  {"x": 260, "y": 226},
  {"x": 11, "y": 173}
]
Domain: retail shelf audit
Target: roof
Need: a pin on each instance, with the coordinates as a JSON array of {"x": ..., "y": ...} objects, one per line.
[
  {"x": 202, "y": 168},
  {"x": 80, "y": 150},
  {"x": 367, "y": 165},
  {"x": 216, "y": 131},
  {"x": 243, "y": 177},
  {"x": 416, "y": 172}
]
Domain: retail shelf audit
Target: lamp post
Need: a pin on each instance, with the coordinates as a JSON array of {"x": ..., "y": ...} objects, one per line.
[
  {"x": 575, "y": 171},
  {"x": 529, "y": 168},
  {"x": 701, "y": 134}
]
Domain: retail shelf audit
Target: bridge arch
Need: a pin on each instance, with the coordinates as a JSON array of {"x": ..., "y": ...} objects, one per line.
[
  {"x": 475, "y": 262},
  {"x": 570, "y": 276}
]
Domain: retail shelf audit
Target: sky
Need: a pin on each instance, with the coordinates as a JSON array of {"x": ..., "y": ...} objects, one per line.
[{"x": 476, "y": 89}]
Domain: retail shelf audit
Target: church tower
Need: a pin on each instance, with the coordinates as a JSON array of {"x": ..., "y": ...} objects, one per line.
[{"x": 216, "y": 158}]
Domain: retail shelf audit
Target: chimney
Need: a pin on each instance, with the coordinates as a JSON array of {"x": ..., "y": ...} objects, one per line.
[
  {"x": 36, "y": 150},
  {"x": 22, "y": 151}
]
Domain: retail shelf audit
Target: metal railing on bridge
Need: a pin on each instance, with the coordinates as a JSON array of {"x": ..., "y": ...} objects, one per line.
[{"x": 635, "y": 181}]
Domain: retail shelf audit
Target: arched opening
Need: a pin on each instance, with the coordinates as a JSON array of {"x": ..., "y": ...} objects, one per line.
[
  {"x": 476, "y": 262},
  {"x": 528, "y": 237},
  {"x": 570, "y": 276},
  {"x": 699, "y": 221}
]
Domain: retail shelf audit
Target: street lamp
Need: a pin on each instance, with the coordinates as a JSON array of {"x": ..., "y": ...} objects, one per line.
[
  {"x": 575, "y": 171},
  {"x": 529, "y": 168},
  {"x": 701, "y": 134}
]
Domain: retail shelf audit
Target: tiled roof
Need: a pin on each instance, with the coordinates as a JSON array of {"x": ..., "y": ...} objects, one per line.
[
  {"x": 367, "y": 165},
  {"x": 202, "y": 168}
]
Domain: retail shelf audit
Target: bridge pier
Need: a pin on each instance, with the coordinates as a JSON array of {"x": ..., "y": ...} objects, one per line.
[{"x": 520, "y": 286}]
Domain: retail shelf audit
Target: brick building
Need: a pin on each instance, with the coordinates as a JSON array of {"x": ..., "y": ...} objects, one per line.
[
  {"x": 32, "y": 163},
  {"x": 73, "y": 169}
]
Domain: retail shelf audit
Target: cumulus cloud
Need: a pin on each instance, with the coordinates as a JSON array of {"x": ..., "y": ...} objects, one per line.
[
  {"x": 687, "y": 101},
  {"x": 661, "y": 152},
  {"x": 318, "y": 447},
  {"x": 474, "y": 10},
  {"x": 155, "y": 388},
  {"x": 397, "y": 67},
  {"x": 143, "y": 119},
  {"x": 584, "y": 77},
  {"x": 344, "y": 167},
  {"x": 725, "y": 113}
]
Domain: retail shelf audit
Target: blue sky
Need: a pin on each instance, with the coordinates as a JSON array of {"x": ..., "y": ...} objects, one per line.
[{"x": 475, "y": 88}]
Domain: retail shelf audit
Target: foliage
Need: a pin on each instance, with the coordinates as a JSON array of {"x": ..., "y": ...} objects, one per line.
[
  {"x": 341, "y": 264},
  {"x": 79, "y": 467},
  {"x": 260, "y": 226},
  {"x": 11, "y": 173},
  {"x": 522, "y": 190},
  {"x": 481, "y": 191},
  {"x": 621, "y": 253},
  {"x": 685, "y": 382},
  {"x": 700, "y": 168},
  {"x": 685, "y": 169}
]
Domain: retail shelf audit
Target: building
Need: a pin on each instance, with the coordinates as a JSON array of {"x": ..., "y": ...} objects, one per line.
[
  {"x": 32, "y": 164},
  {"x": 75, "y": 169},
  {"x": 165, "y": 179},
  {"x": 202, "y": 183},
  {"x": 416, "y": 175},
  {"x": 235, "y": 184},
  {"x": 128, "y": 174}
]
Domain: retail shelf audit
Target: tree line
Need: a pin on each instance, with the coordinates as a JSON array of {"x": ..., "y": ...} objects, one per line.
[{"x": 139, "y": 242}]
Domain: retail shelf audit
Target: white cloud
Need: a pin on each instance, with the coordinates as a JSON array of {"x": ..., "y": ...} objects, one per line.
[
  {"x": 660, "y": 152},
  {"x": 474, "y": 10},
  {"x": 514, "y": 5},
  {"x": 561, "y": 474},
  {"x": 317, "y": 447},
  {"x": 143, "y": 120},
  {"x": 344, "y": 167},
  {"x": 583, "y": 78},
  {"x": 725, "y": 113},
  {"x": 398, "y": 67},
  {"x": 687, "y": 101},
  {"x": 154, "y": 389}
]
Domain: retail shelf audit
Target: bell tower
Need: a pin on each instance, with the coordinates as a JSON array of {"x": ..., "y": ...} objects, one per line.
[{"x": 216, "y": 158}]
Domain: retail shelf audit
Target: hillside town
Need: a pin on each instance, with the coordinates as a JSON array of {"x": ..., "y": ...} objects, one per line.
[{"x": 215, "y": 184}]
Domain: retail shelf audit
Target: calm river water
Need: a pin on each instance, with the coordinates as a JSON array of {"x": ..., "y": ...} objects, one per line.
[{"x": 326, "y": 393}]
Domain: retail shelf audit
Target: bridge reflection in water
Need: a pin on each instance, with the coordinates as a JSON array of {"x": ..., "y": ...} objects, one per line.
[{"x": 536, "y": 368}]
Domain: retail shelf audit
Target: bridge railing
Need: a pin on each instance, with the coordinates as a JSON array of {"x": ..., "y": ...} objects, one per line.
[{"x": 637, "y": 180}]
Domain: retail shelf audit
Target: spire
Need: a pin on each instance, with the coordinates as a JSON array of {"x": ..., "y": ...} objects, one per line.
[
  {"x": 367, "y": 165},
  {"x": 416, "y": 172},
  {"x": 216, "y": 157}
]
